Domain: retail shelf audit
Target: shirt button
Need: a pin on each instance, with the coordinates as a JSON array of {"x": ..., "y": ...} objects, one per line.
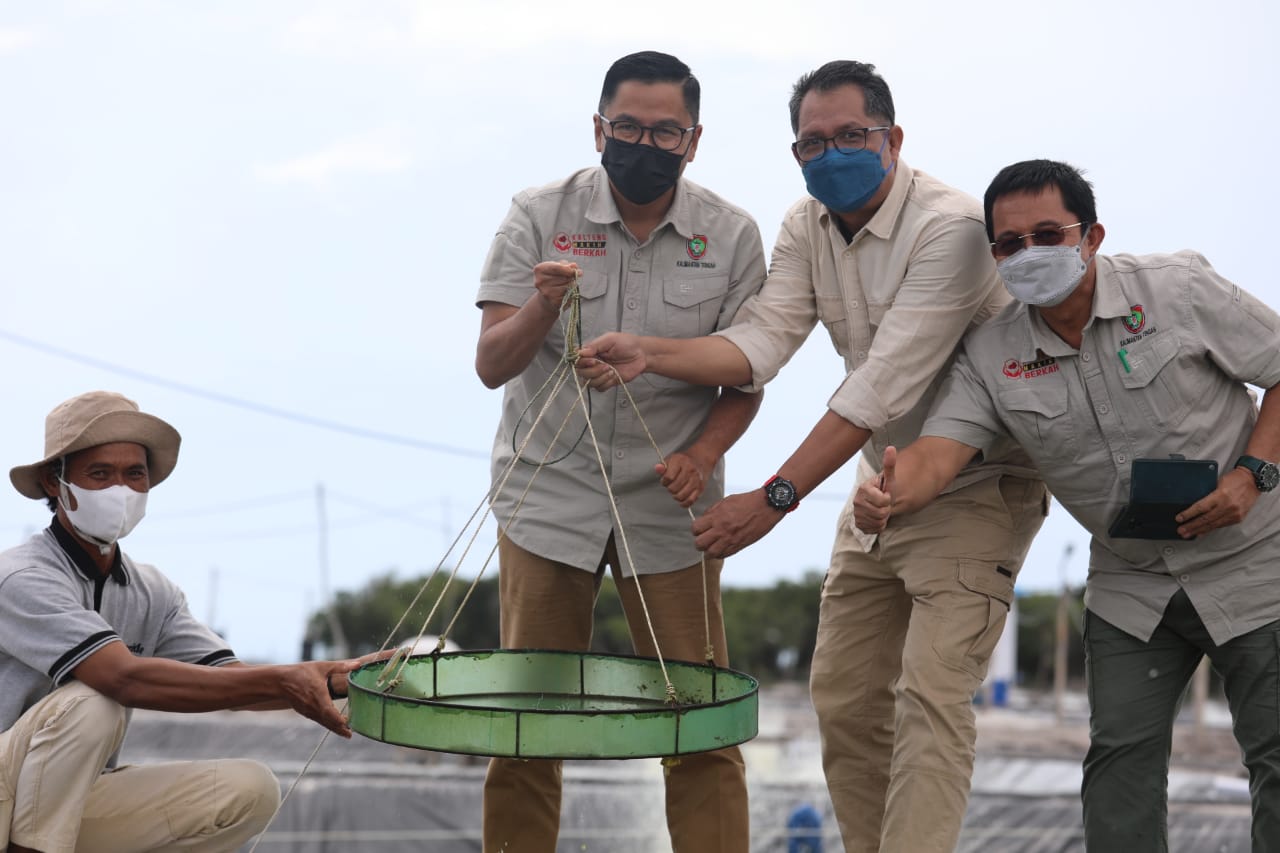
[
  {"x": 861, "y": 355},
  {"x": 631, "y": 303},
  {"x": 620, "y": 453},
  {"x": 853, "y": 304},
  {"x": 625, "y": 402},
  {"x": 1184, "y": 578},
  {"x": 1085, "y": 357},
  {"x": 1167, "y": 551},
  {"x": 637, "y": 254},
  {"x": 1120, "y": 457},
  {"x": 1102, "y": 410}
]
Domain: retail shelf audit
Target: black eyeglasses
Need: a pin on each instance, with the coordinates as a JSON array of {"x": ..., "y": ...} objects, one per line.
[
  {"x": 846, "y": 142},
  {"x": 668, "y": 137},
  {"x": 1006, "y": 246}
]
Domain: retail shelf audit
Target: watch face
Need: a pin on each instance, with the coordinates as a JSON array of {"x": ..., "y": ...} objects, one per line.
[
  {"x": 1267, "y": 476},
  {"x": 781, "y": 494}
]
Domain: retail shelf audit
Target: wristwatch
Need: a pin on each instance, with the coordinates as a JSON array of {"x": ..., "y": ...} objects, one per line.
[
  {"x": 781, "y": 494},
  {"x": 1265, "y": 474}
]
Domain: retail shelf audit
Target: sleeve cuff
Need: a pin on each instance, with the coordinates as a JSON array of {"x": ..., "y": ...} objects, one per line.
[
  {"x": 754, "y": 346},
  {"x": 858, "y": 403}
]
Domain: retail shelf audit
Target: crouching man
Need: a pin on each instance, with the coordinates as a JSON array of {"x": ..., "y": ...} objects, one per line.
[{"x": 87, "y": 634}]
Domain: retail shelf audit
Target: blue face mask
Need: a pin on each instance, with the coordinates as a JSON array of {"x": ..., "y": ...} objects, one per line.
[{"x": 844, "y": 181}]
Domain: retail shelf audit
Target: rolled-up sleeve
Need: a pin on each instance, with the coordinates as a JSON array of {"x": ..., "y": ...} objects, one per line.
[{"x": 949, "y": 279}]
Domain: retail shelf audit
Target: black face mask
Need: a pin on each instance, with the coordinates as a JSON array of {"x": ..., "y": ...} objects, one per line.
[{"x": 640, "y": 172}]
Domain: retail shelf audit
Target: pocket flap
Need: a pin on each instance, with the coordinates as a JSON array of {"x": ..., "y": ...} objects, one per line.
[
  {"x": 987, "y": 578},
  {"x": 1146, "y": 358},
  {"x": 593, "y": 284},
  {"x": 1049, "y": 402},
  {"x": 689, "y": 291}
]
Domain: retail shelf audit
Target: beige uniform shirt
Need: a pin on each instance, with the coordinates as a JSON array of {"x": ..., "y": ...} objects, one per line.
[
  {"x": 687, "y": 280},
  {"x": 1191, "y": 339},
  {"x": 895, "y": 300}
]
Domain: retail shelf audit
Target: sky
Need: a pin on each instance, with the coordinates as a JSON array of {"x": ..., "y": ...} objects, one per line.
[{"x": 265, "y": 223}]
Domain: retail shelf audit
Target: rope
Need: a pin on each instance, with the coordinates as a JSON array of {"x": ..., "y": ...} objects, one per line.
[
  {"x": 392, "y": 672},
  {"x": 709, "y": 649}
]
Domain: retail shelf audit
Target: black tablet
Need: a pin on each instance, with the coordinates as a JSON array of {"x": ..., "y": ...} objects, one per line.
[{"x": 1159, "y": 489}]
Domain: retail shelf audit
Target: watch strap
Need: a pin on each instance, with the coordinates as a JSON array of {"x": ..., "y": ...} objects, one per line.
[{"x": 795, "y": 497}]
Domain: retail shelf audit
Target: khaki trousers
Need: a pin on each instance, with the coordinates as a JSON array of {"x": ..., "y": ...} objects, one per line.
[
  {"x": 55, "y": 797},
  {"x": 549, "y": 605},
  {"x": 905, "y": 631}
]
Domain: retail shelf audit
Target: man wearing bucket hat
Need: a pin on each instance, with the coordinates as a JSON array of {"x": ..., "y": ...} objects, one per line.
[{"x": 86, "y": 633}]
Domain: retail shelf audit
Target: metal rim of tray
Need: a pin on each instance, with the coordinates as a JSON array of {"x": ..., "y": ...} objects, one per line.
[{"x": 537, "y": 703}]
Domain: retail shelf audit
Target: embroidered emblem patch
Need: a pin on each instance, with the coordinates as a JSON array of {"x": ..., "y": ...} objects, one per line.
[
  {"x": 1136, "y": 319},
  {"x": 580, "y": 245},
  {"x": 1043, "y": 365},
  {"x": 697, "y": 246}
]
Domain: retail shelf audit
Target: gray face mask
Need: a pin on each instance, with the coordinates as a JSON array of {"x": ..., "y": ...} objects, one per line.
[{"x": 1044, "y": 275}]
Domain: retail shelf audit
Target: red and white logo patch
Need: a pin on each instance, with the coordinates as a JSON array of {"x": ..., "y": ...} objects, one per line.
[
  {"x": 562, "y": 243},
  {"x": 1013, "y": 368}
]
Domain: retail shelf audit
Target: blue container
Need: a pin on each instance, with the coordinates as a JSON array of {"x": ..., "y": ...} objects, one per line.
[{"x": 804, "y": 830}]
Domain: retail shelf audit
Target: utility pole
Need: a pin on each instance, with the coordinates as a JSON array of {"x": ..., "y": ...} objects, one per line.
[
  {"x": 1060, "y": 638},
  {"x": 212, "y": 620},
  {"x": 339, "y": 649}
]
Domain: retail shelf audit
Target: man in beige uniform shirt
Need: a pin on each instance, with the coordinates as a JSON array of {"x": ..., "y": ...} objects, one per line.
[
  {"x": 1102, "y": 361},
  {"x": 894, "y": 264},
  {"x": 659, "y": 254}
]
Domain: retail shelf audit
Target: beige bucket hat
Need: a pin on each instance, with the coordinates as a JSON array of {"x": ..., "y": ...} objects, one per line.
[{"x": 100, "y": 417}]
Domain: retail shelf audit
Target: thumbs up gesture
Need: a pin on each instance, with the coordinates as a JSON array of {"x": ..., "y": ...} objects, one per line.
[{"x": 873, "y": 503}]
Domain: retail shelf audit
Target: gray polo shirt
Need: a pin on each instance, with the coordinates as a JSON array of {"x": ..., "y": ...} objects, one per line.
[
  {"x": 685, "y": 281},
  {"x": 57, "y": 609},
  {"x": 1161, "y": 370}
]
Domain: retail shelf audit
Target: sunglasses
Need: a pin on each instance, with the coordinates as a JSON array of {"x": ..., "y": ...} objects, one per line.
[{"x": 1006, "y": 246}]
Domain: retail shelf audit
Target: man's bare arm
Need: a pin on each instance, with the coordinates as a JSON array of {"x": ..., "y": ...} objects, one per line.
[
  {"x": 511, "y": 336},
  {"x": 686, "y": 472},
  {"x": 708, "y": 360},
  {"x": 1236, "y": 493},
  {"x": 742, "y": 519},
  {"x": 167, "y": 685},
  {"x": 909, "y": 480}
]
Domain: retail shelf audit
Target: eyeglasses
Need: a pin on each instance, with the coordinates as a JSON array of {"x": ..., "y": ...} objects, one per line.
[
  {"x": 1006, "y": 246},
  {"x": 846, "y": 142},
  {"x": 668, "y": 137}
]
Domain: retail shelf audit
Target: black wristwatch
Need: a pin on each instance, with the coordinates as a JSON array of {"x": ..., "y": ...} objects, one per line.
[
  {"x": 781, "y": 494},
  {"x": 1266, "y": 476}
]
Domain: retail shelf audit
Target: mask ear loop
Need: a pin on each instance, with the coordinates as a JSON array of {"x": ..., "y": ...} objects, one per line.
[{"x": 64, "y": 491}]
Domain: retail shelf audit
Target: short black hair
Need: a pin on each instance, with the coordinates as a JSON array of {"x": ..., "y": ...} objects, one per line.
[
  {"x": 845, "y": 72},
  {"x": 649, "y": 66},
  {"x": 1035, "y": 176}
]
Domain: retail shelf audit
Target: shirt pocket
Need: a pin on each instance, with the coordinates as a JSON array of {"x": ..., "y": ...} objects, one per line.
[
  {"x": 835, "y": 317},
  {"x": 1156, "y": 382},
  {"x": 691, "y": 305},
  {"x": 1041, "y": 418}
]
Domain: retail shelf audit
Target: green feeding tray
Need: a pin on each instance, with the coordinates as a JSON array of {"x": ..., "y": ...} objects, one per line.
[{"x": 534, "y": 703}]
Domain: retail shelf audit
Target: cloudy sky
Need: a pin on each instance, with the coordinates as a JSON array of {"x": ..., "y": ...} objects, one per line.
[{"x": 265, "y": 223}]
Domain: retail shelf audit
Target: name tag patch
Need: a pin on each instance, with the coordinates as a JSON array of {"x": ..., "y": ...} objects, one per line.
[{"x": 1043, "y": 366}]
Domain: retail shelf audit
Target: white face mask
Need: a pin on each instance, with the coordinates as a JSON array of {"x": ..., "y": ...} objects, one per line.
[
  {"x": 103, "y": 515},
  {"x": 1044, "y": 275}
]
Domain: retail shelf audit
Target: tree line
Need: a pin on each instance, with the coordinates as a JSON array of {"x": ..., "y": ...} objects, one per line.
[{"x": 770, "y": 630}]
